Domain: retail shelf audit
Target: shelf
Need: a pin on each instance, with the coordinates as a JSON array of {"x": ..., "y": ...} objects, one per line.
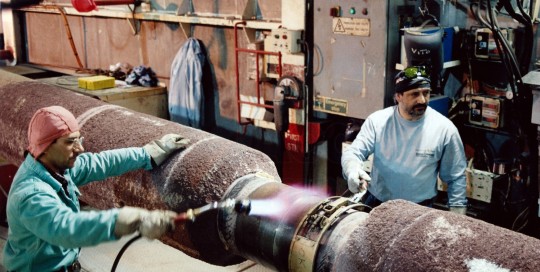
[
  {"x": 448, "y": 64},
  {"x": 226, "y": 21}
]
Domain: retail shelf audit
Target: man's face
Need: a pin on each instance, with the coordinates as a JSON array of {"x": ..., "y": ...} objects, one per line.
[
  {"x": 413, "y": 103},
  {"x": 62, "y": 153}
]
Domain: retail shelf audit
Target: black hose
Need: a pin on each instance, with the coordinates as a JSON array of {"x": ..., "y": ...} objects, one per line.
[{"x": 117, "y": 260}]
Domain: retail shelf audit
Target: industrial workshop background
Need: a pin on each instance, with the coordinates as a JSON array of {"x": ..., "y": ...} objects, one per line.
[{"x": 294, "y": 79}]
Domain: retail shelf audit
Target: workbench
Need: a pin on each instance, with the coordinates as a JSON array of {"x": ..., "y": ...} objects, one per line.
[{"x": 149, "y": 100}]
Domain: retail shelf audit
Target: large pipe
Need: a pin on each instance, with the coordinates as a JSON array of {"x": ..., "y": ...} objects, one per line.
[
  {"x": 191, "y": 178},
  {"x": 312, "y": 233},
  {"x": 330, "y": 235}
]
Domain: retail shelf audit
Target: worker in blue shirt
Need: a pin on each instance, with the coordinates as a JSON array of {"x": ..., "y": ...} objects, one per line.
[
  {"x": 411, "y": 144},
  {"x": 46, "y": 225}
]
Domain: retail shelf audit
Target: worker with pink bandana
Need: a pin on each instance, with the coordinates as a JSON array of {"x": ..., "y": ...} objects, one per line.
[{"x": 46, "y": 224}]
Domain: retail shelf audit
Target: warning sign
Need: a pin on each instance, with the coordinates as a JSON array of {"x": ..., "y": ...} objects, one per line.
[
  {"x": 339, "y": 26},
  {"x": 351, "y": 26}
]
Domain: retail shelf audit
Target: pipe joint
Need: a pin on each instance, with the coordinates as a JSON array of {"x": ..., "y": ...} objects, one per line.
[{"x": 307, "y": 237}]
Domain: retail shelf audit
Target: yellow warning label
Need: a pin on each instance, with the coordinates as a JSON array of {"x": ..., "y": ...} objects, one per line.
[{"x": 351, "y": 26}]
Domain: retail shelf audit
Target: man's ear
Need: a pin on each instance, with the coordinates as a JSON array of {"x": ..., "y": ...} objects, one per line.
[{"x": 397, "y": 97}]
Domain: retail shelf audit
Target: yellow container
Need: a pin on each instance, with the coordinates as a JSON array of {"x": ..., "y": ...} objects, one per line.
[{"x": 96, "y": 82}]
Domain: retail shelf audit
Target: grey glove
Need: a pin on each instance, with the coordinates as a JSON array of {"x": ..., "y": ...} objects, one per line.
[
  {"x": 151, "y": 224},
  {"x": 160, "y": 149},
  {"x": 357, "y": 178},
  {"x": 459, "y": 210}
]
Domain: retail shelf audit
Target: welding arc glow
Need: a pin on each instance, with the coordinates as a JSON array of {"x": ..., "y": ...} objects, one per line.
[{"x": 267, "y": 207}]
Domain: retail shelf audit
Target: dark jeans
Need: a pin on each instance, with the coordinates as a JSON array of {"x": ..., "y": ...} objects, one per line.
[{"x": 372, "y": 201}]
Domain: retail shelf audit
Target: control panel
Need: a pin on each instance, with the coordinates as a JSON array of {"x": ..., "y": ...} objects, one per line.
[
  {"x": 282, "y": 40},
  {"x": 485, "y": 111},
  {"x": 350, "y": 56},
  {"x": 485, "y": 46}
]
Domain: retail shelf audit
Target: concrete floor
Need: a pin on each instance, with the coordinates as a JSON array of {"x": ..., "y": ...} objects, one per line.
[{"x": 144, "y": 255}]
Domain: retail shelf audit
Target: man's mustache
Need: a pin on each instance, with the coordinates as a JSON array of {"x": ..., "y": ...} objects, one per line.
[{"x": 420, "y": 106}]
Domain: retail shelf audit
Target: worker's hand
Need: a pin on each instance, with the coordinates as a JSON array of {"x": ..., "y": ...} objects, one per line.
[
  {"x": 459, "y": 210},
  {"x": 156, "y": 223},
  {"x": 357, "y": 178},
  {"x": 160, "y": 149},
  {"x": 151, "y": 224},
  {"x": 358, "y": 183}
]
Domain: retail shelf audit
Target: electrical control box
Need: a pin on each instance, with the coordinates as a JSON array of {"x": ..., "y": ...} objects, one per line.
[
  {"x": 354, "y": 44},
  {"x": 282, "y": 40},
  {"x": 479, "y": 184},
  {"x": 485, "y": 46},
  {"x": 485, "y": 111}
]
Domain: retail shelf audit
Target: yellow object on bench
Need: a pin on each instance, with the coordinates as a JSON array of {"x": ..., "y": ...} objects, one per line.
[{"x": 96, "y": 82}]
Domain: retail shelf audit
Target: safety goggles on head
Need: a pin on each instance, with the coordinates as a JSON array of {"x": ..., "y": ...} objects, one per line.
[
  {"x": 412, "y": 78},
  {"x": 415, "y": 72}
]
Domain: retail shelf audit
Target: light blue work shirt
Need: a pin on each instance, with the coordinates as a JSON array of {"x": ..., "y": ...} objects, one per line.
[
  {"x": 408, "y": 156},
  {"x": 46, "y": 227}
]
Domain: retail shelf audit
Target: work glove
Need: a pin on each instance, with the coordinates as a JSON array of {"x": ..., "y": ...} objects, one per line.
[
  {"x": 151, "y": 224},
  {"x": 357, "y": 178},
  {"x": 459, "y": 210},
  {"x": 160, "y": 149}
]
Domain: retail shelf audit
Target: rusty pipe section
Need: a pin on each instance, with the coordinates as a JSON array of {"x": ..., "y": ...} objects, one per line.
[{"x": 191, "y": 178}]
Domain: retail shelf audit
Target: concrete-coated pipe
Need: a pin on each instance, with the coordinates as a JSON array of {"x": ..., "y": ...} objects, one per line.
[
  {"x": 403, "y": 236},
  {"x": 199, "y": 174},
  {"x": 396, "y": 236}
]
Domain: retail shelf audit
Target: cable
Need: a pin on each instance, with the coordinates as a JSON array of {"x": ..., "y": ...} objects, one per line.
[
  {"x": 135, "y": 26},
  {"x": 522, "y": 214},
  {"x": 507, "y": 55},
  {"x": 477, "y": 14},
  {"x": 505, "y": 47},
  {"x": 320, "y": 60},
  {"x": 117, "y": 260},
  {"x": 70, "y": 37}
]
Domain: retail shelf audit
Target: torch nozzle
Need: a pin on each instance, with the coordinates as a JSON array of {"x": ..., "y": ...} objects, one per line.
[{"x": 242, "y": 206}]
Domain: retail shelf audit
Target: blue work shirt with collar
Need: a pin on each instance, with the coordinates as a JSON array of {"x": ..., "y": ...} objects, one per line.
[{"x": 46, "y": 226}]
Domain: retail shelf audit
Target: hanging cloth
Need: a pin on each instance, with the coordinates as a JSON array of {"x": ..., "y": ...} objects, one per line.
[{"x": 186, "y": 97}]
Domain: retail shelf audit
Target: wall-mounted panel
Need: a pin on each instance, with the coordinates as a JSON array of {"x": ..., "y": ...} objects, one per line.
[{"x": 349, "y": 57}]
